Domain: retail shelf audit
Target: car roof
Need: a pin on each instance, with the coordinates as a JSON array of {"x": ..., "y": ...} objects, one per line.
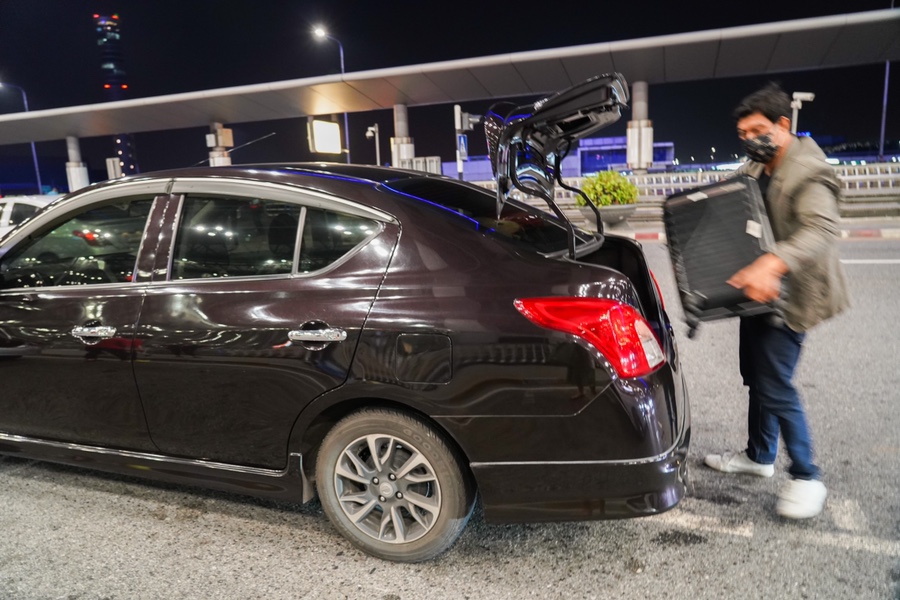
[
  {"x": 297, "y": 173},
  {"x": 347, "y": 172},
  {"x": 371, "y": 173}
]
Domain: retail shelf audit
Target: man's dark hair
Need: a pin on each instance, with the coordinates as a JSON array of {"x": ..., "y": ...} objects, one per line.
[{"x": 771, "y": 101}]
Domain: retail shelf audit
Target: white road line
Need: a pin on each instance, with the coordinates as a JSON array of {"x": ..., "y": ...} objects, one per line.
[
  {"x": 871, "y": 261},
  {"x": 693, "y": 522},
  {"x": 848, "y": 542},
  {"x": 848, "y": 515}
]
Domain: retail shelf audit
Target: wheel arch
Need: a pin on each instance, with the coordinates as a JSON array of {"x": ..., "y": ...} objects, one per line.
[{"x": 314, "y": 424}]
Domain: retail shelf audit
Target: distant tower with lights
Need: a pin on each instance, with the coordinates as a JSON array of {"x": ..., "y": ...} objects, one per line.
[{"x": 115, "y": 86}]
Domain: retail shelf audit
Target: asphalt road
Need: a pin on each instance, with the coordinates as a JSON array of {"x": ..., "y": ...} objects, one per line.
[{"x": 73, "y": 534}]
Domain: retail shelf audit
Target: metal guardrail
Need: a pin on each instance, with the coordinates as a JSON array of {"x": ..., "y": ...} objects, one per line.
[
  {"x": 881, "y": 179},
  {"x": 870, "y": 190}
]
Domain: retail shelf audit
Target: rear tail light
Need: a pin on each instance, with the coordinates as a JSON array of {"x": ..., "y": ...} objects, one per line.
[{"x": 617, "y": 330}]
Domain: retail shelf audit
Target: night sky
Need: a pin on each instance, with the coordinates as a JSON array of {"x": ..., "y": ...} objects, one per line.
[{"x": 49, "y": 48}]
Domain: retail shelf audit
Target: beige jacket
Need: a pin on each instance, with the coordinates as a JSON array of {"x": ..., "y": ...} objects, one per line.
[{"x": 803, "y": 209}]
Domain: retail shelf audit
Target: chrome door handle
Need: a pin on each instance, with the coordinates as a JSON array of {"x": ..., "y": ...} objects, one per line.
[
  {"x": 92, "y": 335},
  {"x": 329, "y": 334}
]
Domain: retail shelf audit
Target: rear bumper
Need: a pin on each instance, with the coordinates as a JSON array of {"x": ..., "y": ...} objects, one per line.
[{"x": 583, "y": 490}]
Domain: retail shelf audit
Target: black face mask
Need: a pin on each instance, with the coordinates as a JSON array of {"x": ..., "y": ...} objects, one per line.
[{"x": 760, "y": 149}]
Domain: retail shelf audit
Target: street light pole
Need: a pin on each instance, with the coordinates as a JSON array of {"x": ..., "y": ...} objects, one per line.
[
  {"x": 796, "y": 104},
  {"x": 321, "y": 33},
  {"x": 372, "y": 132},
  {"x": 887, "y": 77},
  {"x": 37, "y": 171}
]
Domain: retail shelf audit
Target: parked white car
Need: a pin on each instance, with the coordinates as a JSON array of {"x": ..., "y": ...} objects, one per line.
[{"x": 15, "y": 209}]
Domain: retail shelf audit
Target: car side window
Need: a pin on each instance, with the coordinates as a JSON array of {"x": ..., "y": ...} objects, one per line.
[
  {"x": 329, "y": 235},
  {"x": 235, "y": 237},
  {"x": 20, "y": 212},
  {"x": 223, "y": 236},
  {"x": 96, "y": 244}
]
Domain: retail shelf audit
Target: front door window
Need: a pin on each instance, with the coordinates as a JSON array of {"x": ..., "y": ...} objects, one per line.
[{"x": 96, "y": 245}]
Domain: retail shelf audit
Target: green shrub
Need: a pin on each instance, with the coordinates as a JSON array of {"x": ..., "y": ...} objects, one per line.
[{"x": 607, "y": 188}]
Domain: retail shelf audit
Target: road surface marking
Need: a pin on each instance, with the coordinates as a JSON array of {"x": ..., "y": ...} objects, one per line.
[
  {"x": 848, "y": 542},
  {"x": 693, "y": 522},
  {"x": 871, "y": 261},
  {"x": 848, "y": 515}
]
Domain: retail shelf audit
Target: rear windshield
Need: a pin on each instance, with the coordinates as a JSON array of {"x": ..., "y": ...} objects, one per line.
[{"x": 518, "y": 223}]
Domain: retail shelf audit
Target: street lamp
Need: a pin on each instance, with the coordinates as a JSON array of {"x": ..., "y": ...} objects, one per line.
[
  {"x": 322, "y": 34},
  {"x": 37, "y": 171},
  {"x": 372, "y": 132},
  {"x": 797, "y": 104}
]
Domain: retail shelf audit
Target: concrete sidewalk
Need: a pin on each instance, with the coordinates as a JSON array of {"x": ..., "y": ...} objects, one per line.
[{"x": 851, "y": 228}]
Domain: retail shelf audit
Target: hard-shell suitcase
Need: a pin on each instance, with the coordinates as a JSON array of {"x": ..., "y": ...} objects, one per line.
[{"x": 713, "y": 231}]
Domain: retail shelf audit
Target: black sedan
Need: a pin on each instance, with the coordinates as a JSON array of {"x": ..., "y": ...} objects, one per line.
[
  {"x": 376, "y": 335},
  {"x": 395, "y": 342}
]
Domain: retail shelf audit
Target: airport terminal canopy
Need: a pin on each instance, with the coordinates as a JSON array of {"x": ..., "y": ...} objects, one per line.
[{"x": 796, "y": 45}]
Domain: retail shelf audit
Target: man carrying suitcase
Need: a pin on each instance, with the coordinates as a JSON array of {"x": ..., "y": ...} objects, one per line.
[{"x": 800, "y": 191}]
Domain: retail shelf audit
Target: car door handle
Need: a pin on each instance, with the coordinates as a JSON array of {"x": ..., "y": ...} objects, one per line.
[
  {"x": 92, "y": 335},
  {"x": 328, "y": 334}
]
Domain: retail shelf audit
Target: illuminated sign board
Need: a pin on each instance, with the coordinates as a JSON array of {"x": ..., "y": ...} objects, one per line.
[{"x": 324, "y": 136}]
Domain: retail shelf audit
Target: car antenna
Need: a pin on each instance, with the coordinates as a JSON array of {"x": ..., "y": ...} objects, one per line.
[{"x": 259, "y": 139}]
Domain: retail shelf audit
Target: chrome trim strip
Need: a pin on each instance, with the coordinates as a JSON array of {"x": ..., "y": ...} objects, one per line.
[
  {"x": 147, "y": 456},
  {"x": 634, "y": 461},
  {"x": 81, "y": 198},
  {"x": 101, "y": 331},
  {"x": 330, "y": 334},
  {"x": 358, "y": 210},
  {"x": 57, "y": 288},
  {"x": 252, "y": 187}
]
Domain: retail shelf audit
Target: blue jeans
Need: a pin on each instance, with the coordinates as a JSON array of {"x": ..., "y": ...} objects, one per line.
[{"x": 768, "y": 355}]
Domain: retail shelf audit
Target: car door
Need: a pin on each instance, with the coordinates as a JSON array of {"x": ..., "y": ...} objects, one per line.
[
  {"x": 266, "y": 290},
  {"x": 70, "y": 296}
]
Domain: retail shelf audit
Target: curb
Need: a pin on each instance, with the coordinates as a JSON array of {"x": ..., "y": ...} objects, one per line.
[
  {"x": 649, "y": 236},
  {"x": 892, "y": 233}
]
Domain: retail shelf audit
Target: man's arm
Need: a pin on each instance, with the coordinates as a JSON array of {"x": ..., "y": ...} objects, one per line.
[
  {"x": 815, "y": 208},
  {"x": 761, "y": 279}
]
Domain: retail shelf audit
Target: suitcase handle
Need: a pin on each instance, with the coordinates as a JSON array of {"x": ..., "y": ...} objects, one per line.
[{"x": 691, "y": 309}]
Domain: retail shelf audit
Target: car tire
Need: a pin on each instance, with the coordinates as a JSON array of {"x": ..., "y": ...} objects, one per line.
[{"x": 393, "y": 486}]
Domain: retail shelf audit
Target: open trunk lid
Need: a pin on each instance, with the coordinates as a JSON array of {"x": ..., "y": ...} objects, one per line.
[{"x": 527, "y": 143}]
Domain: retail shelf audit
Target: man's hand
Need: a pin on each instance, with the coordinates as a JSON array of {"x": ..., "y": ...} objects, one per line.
[{"x": 761, "y": 279}]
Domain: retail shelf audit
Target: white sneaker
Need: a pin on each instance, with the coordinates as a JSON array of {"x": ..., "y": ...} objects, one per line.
[
  {"x": 801, "y": 499},
  {"x": 731, "y": 462}
]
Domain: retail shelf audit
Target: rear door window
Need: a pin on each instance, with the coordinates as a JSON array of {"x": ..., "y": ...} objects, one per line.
[
  {"x": 230, "y": 236},
  {"x": 328, "y": 236}
]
